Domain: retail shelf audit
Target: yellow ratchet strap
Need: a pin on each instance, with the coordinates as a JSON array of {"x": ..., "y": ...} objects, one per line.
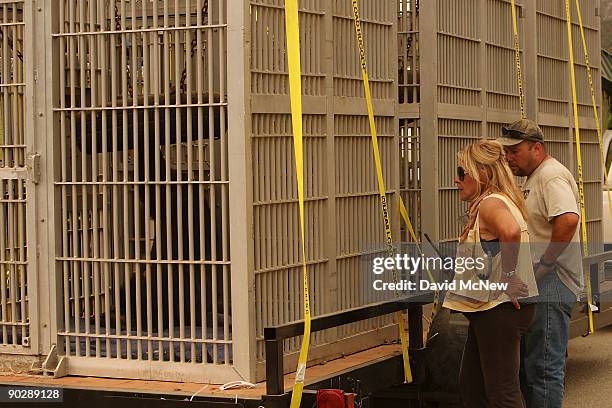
[
  {"x": 595, "y": 114},
  {"x": 404, "y": 214},
  {"x": 381, "y": 183},
  {"x": 579, "y": 159},
  {"x": 517, "y": 59},
  {"x": 295, "y": 87}
]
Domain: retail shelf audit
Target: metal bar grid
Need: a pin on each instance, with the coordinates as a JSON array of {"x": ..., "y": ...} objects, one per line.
[
  {"x": 554, "y": 98},
  {"x": 330, "y": 71},
  {"x": 410, "y": 157},
  {"x": 458, "y": 38},
  {"x": 14, "y": 304},
  {"x": 12, "y": 149},
  {"x": 14, "y": 317},
  {"x": 278, "y": 293},
  {"x": 408, "y": 52},
  {"x": 143, "y": 182},
  {"x": 358, "y": 214},
  {"x": 453, "y": 135},
  {"x": 488, "y": 39},
  {"x": 268, "y": 62},
  {"x": 378, "y": 23},
  {"x": 357, "y": 205},
  {"x": 502, "y": 89}
]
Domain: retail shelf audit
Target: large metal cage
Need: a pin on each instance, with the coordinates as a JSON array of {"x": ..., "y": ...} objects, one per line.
[{"x": 148, "y": 202}]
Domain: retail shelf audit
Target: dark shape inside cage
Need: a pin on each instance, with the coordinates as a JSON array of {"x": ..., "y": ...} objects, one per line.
[{"x": 181, "y": 277}]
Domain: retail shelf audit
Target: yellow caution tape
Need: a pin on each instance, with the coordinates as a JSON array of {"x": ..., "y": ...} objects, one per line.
[
  {"x": 404, "y": 214},
  {"x": 595, "y": 114},
  {"x": 517, "y": 59},
  {"x": 381, "y": 183},
  {"x": 295, "y": 87},
  {"x": 579, "y": 159}
]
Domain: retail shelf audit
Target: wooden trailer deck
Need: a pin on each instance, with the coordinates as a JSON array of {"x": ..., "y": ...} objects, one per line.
[{"x": 317, "y": 374}]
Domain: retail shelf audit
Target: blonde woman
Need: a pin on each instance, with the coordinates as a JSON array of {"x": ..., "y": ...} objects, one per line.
[{"x": 497, "y": 233}]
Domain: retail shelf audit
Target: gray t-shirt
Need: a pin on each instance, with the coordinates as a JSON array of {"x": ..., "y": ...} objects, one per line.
[{"x": 551, "y": 191}]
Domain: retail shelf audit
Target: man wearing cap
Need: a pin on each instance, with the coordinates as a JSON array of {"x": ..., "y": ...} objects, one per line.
[{"x": 552, "y": 205}]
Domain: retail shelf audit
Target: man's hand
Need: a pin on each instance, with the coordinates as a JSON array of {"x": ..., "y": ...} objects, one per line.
[
  {"x": 563, "y": 228},
  {"x": 541, "y": 271}
]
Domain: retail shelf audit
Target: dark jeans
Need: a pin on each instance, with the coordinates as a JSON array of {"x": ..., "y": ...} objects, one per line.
[{"x": 489, "y": 376}]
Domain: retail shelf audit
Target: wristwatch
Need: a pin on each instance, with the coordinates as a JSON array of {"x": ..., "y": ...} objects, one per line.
[
  {"x": 546, "y": 264},
  {"x": 510, "y": 274}
]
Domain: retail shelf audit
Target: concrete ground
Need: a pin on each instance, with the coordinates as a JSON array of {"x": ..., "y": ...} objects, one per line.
[{"x": 589, "y": 371}]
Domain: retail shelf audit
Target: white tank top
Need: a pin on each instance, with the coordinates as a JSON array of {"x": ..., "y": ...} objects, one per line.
[{"x": 469, "y": 293}]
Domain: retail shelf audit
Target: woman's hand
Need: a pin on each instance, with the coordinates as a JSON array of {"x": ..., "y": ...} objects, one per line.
[{"x": 516, "y": 289}]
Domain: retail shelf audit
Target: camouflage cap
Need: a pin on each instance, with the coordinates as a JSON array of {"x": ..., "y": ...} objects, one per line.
[{"x": 523, "y": 129}]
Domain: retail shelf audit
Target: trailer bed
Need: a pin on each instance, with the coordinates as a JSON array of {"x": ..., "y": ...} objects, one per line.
[{"x": 318, "y": 374}]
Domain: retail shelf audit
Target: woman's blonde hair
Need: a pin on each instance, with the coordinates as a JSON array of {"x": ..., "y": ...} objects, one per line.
[{"x": 488, "y": 155}]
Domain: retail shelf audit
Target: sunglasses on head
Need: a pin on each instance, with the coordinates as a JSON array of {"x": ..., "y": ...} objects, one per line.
[
  {"x": 517, "y": 134},
  {"x": 460, "y": 173}
]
